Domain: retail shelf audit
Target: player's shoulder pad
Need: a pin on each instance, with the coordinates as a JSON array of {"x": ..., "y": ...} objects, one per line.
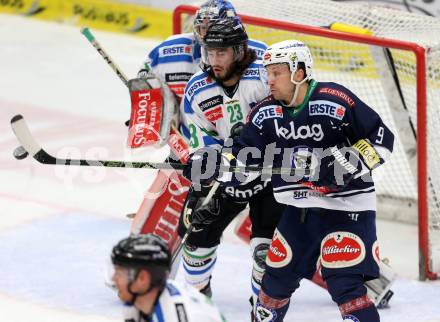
[
  {"x": 175, "y": 45},
  {"x": 255, "y": 71},
  {"x": 197, "y": 83},
  {"x": 267, "y": 108},
  {"x": 259, "y": 47},
  {"x": 335, "y": 92}
]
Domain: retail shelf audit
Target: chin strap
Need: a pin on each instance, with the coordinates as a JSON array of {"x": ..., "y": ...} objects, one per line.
[
  {"x": 295, "y": 93},
  {"x": 135, "y": 295}
]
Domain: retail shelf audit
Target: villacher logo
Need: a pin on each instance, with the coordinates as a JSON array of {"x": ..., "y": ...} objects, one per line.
[{"x": 342, "y": 249}]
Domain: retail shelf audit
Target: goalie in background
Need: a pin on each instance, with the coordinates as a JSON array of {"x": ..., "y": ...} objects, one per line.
[
  {"x": 141, "y": 268},
  {"x": 335, "y": 141}
]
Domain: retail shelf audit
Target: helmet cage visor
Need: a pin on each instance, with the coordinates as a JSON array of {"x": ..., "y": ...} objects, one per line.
[{"x": 209, "y": 14}]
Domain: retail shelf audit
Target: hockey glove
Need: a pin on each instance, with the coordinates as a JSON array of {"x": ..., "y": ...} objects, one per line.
[
  {"x": 204, "y": 166},
  {"x": 236, "y": 130},
  {"x": 198, "y": 215},
  {"x": 340, "y": 164}
]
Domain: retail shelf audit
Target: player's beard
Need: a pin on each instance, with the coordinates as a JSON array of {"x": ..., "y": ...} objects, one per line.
[{"x": 229, "y": 73}]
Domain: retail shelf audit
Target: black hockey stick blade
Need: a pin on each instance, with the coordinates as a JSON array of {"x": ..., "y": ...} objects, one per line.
[{"x": 28, "y": 142}]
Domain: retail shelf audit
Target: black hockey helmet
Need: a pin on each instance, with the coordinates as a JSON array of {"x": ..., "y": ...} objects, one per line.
[
  {"x": 224, "y": 33},
  {"x": 147, "y": 252}
]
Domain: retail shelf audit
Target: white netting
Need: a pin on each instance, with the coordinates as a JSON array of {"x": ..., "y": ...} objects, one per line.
[{"x": 361, "y": 69}]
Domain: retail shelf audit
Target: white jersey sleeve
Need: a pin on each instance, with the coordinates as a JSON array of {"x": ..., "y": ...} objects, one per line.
[
  {"x": 208, "y": 113},
  {"x": 178, "y": 303}
]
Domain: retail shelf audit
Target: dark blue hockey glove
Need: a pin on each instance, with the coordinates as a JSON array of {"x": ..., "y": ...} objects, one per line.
[
  {"x": 203, "y": 166},
  {"x": 340, "y": 164},
  {"x": 236, "y": 130}
]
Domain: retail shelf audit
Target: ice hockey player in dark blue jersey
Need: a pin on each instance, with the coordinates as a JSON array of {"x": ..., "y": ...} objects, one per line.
[{"x": 336, "y": 140}]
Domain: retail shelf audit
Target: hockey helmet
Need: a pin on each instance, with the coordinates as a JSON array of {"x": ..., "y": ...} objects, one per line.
[
  {"x": 210, "y": 12},
  {"x": 290, "y": 52},
  {"x": 147, "y": 252},
  {"x": 225, "y": 33}
]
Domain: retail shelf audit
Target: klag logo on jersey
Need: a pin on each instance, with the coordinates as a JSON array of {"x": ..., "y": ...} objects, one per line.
[
  {"x": 267, "y": 112},
  {"x": 303, "y": 132},
  {"x": 322, "y": 107},
  {"x": 342, "y": 249},
  {"x": 280, "y": 253}
]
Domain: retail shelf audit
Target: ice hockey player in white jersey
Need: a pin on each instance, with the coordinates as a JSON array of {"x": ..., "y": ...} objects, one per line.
[
  {"x": 173, "y": 62},
  {"x": 141, "y": 268},
  {"x": 216, "y": 103}
]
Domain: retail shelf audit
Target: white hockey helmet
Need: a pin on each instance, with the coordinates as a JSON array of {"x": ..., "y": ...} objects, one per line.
[{"x": 290, "y": 52}]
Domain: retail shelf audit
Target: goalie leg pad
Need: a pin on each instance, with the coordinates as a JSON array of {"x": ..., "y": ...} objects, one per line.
[
  {"x": 160, "y": 210},
  {"x": 198, "y": 264},
  {"x": 379, "y": 289}
]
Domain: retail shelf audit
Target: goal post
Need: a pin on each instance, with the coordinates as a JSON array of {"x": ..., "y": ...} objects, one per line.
[{"x": 393, "y": 72}]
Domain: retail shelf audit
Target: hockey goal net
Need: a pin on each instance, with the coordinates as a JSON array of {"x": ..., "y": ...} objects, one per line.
[{"x": 393, "y": 64}]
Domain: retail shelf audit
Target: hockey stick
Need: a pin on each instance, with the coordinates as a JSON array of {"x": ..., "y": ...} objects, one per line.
[
  {"x": 30, "y": 145},
  {"x": 86, "y": 32},
  {"x": 21, "y": 153},
  {"x": 191, "y": 226},
  {"x": 28, "y": 142}
]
